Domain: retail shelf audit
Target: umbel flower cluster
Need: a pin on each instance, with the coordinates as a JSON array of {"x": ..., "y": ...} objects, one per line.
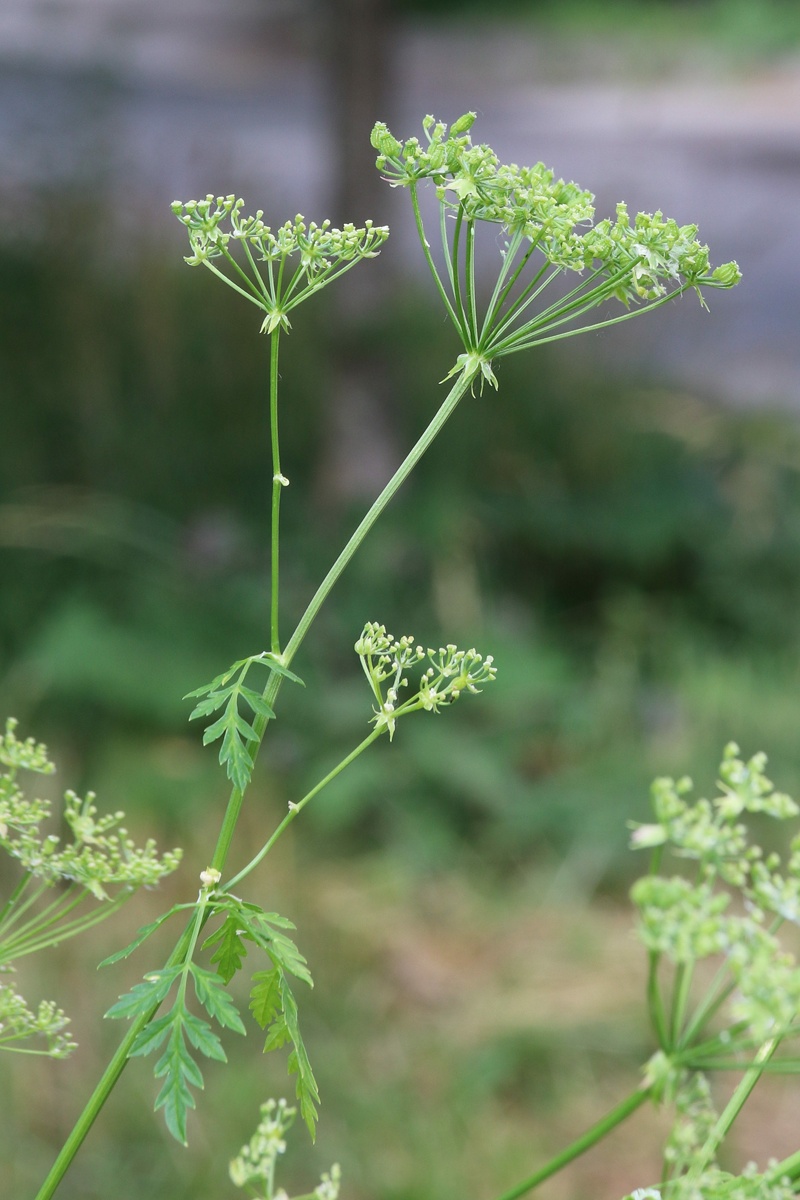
[
  {"x": 100, "y": 863},
  {"x": 726, "y": 904},
  {"x": 387, "y": 660},
  {"x": 298, "y": 258},
  {"x": 548, "y": 225}
]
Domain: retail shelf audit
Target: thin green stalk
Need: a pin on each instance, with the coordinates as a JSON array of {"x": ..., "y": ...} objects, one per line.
[
  {"x": 104, "y": 1087},
  {"x": 655, "y": 1001},
  {"x": 278, "y": 484},
  {"x": 566, "y": 308},
  {"x": 14, "y": 917},
  {"x": 48, "y": 916},
  {"x": 8, "y": 907},
  {"x": 588, "y": 1139},
  {"x": 448, "y": 262},
  {"x": 254, "y": 299},
  {"x": 240, "y": 271},
  {"x": 296, "y": 809},
  {"x": 472, "y": 304},
  {"x": 514, "y": 348},
  {"x": 426, "y": 250},
  {"x": 254, "y": 268},
  {"x": 457, "y": 294},
  {"x": 708, "y": 1006},
  {"x": 733, "y": 1107},
  {"x": 72, "y": 929},
  {"x": 526, "y": 297},
  {"x": 680, "y": 1001},
  {"x": 531, "y": 292},
  {"x": 497, "y": 299},
  {"x": 789, "y": 1168},
  {"x": 445, "y": 411}
]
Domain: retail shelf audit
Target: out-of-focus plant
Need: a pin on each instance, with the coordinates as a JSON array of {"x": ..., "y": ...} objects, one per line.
[{"x": 63, "y": 889}]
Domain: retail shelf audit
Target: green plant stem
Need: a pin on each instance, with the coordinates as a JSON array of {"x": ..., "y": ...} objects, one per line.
[
  {"x": 513, "y": 347},
  {"x": 277, "y": 488},
  {"x": 788, "y": 1169},
  {"x": 588, "y": 1139},
  {"x": 105, "y": 1086},
  {"x": 426, "y": 250},
  {"x": 78, "y": 926},
  {"x": 7, "y": 913},
  {"x": 445, "y": 411},
  {"x": 734, "y": 1107},
  {"x": 296, "y": 809},
  {"x": 14, "y": 943},
  {"x": 221, "y": 850},
  {"x": 680, "y": 1001},
  {"x": 655, "y": 1001}
]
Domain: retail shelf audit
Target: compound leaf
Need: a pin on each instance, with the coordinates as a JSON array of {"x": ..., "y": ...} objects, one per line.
[
  {"x": 265, "y": 996},
  {"x": 231, "y": 950},
  {"x": 146, "y": 995},
  {"x": 215, "y": 1000}
]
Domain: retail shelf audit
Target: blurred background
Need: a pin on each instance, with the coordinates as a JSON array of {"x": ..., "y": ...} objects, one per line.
[{"x": 619, "y": 526}]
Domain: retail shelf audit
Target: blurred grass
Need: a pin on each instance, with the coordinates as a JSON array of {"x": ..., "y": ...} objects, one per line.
[{"x": 629, "y": 554}]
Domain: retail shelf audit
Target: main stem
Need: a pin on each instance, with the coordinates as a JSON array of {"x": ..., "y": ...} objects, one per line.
[
  {"x": 588, "y": 1139},
  {"x": 278, "y": 484},
  {"x": 401, "y": 474},
  {"x": 117, "y": 1063}
]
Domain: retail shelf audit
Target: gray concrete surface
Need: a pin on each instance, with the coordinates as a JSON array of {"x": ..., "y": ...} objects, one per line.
[{"x": 154, "y": 102}]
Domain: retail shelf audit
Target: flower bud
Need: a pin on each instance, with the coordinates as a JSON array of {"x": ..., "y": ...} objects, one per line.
[
  {"x": 384, "y": 142},
  {"x": 727, "y": 275},
  {"x": 463, "y": 124}
]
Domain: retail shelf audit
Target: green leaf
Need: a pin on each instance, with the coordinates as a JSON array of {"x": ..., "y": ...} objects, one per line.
[
  {"x": 203, "y": 1038},
  {"x": 180, "y": 1071},
  {"x": 215, "y": 1000},
  {"x": 256, "y": 702},
  {"x": 141, "y": 936},
  {"x": 144, "y": 996},
  {"x": 151, "y": 1037},
  {"x": 234, "y": 754},
  {"x": 218, "y": 682},
  {"x": 271, "y": 662},
  {"x": 307, "y": 1090},
  {"x": 234, "y": 729},
  {"x": 281, "y": 949},
  {"x": 277, "y": 1034},
  {"x": 231, "y": 951},
  {"x": 212, "y": 732},
  {"x": 210, "y": 704},
  {"x": 265, "y": 996}
]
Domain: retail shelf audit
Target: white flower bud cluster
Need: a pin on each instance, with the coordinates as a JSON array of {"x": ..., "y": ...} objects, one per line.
[
  {"x": 216, "y": 225},
  {"x": 254, "y": 1166},
  {"x": 96, "y": 857},
  {"x": 452, "y": 672}
]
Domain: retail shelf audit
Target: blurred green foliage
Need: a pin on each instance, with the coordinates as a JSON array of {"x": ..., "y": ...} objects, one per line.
[
  {"x": 630, "y": 555},
  {"x": 743, "y": 28}
]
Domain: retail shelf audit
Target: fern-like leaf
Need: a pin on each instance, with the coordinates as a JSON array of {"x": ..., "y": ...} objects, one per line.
[
  {"x": 306, "y": 1089},
  {"x": 231, "y": 950},
  {"x": 146, "y": 995},
  {"x": 180, "y": 1073},
  {"x": 215, "y": 1000},
  {"x": 265, "y": 996},
  {"x": 236, "y": 732}
]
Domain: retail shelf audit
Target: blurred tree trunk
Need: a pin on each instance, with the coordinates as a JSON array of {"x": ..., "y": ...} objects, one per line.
[{"x": 360, "y": 454}]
